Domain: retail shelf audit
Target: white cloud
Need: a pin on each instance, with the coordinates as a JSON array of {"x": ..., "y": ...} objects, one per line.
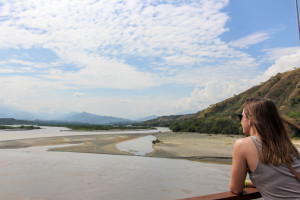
[
  {"x": 223, "y": 72},
  {"x": 180, "y": 40},
  {"x": 113, "y": 28},
  {"x": 97, "y": 36},
  {"x": 180, "y": 60},
  {"x": 7, "y": 70},
  {"x": 102, "y": 72},
  {"x": 78, "y": 94},
  {"x": 284, "y": 59},
  {"x": 217, "y": 88},
  {"x": 249, "y": 40},
  {"x": 31, "y": 64},
  {"x": 212, "y": 92},
  {"x": 276, "y": 53},
  {"x": 283, "y": 64}
]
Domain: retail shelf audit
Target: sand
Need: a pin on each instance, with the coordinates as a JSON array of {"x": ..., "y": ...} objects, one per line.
[
  {"x": 195, "y": 146},
  {"x": 192, "y": 146}
]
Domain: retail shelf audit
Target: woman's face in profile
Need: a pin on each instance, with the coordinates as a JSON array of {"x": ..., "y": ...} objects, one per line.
[{"x": 245, "y": 124}]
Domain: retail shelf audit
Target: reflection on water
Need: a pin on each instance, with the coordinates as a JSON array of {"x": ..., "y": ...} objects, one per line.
[
  {"x": 139, "y": 147},
  {"x": 35, "y": 174}
]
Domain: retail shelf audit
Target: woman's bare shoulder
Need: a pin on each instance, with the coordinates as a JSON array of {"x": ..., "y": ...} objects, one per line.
[{"x": 242, "y": 142}]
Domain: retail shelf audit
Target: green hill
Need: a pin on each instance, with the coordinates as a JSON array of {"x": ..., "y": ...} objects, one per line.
[
  {"x": 283, "y": 89},
  {"x": 164, "y": 121}
]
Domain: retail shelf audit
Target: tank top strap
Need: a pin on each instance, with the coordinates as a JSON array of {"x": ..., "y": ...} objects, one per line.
[{"x": 257, "y": 144}]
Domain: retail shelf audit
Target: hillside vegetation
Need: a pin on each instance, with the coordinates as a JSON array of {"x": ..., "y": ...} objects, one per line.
[
  {"x": 163, "y": 121},
  {"x": 221, "y": 118}
]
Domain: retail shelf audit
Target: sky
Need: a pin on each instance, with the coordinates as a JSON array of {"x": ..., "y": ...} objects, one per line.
[{"x": 137, "y": 58}]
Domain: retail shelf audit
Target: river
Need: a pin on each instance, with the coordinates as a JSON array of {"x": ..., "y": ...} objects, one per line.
[{"x": 35, "y": 173}]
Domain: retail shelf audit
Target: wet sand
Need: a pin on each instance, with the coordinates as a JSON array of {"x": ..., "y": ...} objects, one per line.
[
  {"x": 192, "y": 146},
  {"x": 195, "y": 146}
]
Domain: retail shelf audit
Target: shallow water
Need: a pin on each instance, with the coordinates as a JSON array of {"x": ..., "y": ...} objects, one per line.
[
  {"x": 139, "y": 147},
  {"x": 34, "y": 173},
  {"x": 48, "y": 131}
]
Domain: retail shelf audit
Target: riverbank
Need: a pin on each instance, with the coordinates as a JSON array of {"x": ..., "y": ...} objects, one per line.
[
  {"x": 195, "y": 146},
  {"x": 192, "y": 146}
]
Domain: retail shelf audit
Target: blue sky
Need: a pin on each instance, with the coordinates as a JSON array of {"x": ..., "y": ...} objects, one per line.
[{"x": 138, "y": 58}]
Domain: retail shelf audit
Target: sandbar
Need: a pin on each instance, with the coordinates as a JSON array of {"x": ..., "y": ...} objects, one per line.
[{"x": 193, "y": 146}]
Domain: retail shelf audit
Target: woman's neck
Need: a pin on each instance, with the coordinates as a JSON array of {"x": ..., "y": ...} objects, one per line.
[{"x": 253, "y": 131}]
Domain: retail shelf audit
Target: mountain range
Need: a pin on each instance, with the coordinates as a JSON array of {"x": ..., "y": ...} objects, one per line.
[
  {"x": 73, "y": 117},
  {"x": 85, "y": 117}
]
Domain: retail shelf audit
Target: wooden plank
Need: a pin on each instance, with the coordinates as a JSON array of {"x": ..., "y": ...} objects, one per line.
[{"x": 249, "y": 193}]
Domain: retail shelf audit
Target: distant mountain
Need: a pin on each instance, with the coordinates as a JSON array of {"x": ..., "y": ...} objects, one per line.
[
  {"x": 66, "y": 116},
  {"x": 147, "y": 118},
  {"x": 85, "y": 117},
  {"x": 72, "y": 117},
  {"x": 283, "y": 89},
  {"x": 14, "y": 113}
]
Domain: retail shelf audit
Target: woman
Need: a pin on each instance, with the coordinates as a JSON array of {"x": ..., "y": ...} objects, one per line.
[{"x": 266, "y": 155}]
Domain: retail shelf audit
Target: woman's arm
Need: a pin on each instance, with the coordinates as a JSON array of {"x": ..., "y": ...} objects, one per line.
[
  {"x": 250, "y": 184},
  {"x": 239, "y": 167}
]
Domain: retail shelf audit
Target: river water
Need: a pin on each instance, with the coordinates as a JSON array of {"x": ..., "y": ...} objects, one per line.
[{"x": 35, "y": 173}]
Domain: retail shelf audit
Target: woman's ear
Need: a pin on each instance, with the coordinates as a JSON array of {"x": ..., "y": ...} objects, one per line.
[{"x": 250, "y": 123}]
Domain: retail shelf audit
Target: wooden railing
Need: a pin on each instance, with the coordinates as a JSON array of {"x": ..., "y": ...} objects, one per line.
[{"x": 249, "y": 193}]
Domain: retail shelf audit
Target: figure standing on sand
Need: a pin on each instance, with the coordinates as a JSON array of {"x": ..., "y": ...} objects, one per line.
[{"x": 268, "y": 155}]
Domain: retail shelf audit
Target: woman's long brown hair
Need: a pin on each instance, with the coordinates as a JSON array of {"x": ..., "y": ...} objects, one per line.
[{"x": 276, "y": 144}]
